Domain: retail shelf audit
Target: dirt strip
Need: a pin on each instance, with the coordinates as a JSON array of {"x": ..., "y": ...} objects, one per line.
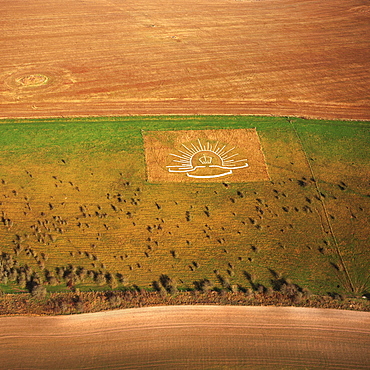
[
  {"x": 183, "y": 107},
  {"x": 195, "y": 337}
]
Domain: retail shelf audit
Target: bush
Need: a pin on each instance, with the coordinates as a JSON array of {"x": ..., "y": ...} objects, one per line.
[
  {"x": 203, "y": 285},
  {"x": 269, "y": 292},
  {"x": 297, "y": 298},
  {"x": 172, "y": 289},
  {"x": 260, "y": 289},
  {"x": 235, "y": 288},
  {"x": 225, "y": 283},
  {"x": 79, "y": 306},
  {"x": 38, "y": 291},
  {"x": 162, "y": 292},
  {"x": 168, "y": 284},
  {"x": 100, "y": 279},
  {"x": 111, "y": 280},
  {"x": 52, "y": 280},
  {"x": 306, "y": 293},
  {"x": 22, "y": 280},
  {"x": 115, "y": 300}
]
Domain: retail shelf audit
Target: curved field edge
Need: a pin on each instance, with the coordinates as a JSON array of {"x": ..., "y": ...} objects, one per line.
[
  {"x": 196, "y": 337},
  {"x": 78, "y": 302},
  {"x": 77, "y": 212}
]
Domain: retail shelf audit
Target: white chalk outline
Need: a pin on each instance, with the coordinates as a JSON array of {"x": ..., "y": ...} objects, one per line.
[{"x": 185, "y": 160}]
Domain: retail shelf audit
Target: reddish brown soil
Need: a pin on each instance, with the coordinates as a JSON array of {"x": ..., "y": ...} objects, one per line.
[{"x": 114, "y": 57}]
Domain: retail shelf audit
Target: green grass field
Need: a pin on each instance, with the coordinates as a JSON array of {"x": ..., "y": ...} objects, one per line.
[{"x": 74, "y": 192}]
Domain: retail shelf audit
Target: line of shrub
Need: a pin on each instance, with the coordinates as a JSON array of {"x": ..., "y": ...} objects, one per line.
[{"x": 43, "y": 303}]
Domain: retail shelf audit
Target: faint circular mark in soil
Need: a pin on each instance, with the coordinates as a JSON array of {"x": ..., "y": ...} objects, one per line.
[{"x": 32, "y": 80}]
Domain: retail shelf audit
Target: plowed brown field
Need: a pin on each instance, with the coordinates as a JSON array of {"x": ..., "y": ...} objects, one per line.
[
  {"x": 114, "y": 57},
  {"x": 189, "y": 337}
]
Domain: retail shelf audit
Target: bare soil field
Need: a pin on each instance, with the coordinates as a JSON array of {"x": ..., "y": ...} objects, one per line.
[
  {"x": 191, "y": 337},
  {"x": 115, "y": 57}
]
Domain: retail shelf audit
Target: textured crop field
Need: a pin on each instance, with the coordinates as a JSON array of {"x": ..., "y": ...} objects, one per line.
[
  {"x": 119, "y": 57},
  {"x": 76, "y": 207}
]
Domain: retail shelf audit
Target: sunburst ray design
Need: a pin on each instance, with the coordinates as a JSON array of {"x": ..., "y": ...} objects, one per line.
[{"x": 203, "y": 160}]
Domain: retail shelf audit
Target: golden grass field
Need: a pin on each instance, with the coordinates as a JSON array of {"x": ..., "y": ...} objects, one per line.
[{"x": 76, "y": 192}]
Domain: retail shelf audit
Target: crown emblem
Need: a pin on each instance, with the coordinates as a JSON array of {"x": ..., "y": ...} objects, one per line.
[
  {"x": 196, "y": 164},
  {"x": 205, "y": 159}
]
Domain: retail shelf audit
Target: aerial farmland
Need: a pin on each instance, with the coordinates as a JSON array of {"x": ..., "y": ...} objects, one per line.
[{"x": 199, "y": 153}]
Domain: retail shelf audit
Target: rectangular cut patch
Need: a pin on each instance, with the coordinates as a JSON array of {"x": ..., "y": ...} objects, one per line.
[{"x": 204, "y": 156}]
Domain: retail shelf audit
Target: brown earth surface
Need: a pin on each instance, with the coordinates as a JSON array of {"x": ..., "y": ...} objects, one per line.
[
  {"x": 189, "y": 337},
  {"x": 115, "y": 57}
]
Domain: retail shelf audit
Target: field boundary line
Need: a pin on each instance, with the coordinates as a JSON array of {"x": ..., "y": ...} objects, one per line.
[{"x": 326, "y": 214}]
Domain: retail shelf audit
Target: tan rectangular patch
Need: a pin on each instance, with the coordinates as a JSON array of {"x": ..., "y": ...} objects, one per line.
[{"x": 204, "y": 156}]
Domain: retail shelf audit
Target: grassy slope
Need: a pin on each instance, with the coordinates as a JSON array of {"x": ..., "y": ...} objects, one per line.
[{"x": 65, "y": 189}]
